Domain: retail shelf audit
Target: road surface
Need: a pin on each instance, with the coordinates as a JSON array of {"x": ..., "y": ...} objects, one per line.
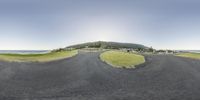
[{"x": 85, "y": 77}]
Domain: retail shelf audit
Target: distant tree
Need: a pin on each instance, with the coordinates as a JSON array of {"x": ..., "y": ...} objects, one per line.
[
  {"x": 111, "y": 45},
  {"x": 58, "y": 50},
  {"x": 139, "y": 49},
  {"x": 150, "y": 49},
  {"x": 161, "y": 51},
  {"x": 128, "y": 50}
]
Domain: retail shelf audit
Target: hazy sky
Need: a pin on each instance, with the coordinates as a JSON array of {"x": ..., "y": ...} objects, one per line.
[{"x": 49, "y": 24}]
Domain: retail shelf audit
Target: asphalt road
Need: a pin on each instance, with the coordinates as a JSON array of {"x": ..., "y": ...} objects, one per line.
[{"x": 85, "y": 77}]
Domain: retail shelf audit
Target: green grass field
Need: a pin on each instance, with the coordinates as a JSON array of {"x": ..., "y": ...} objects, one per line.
[
  {"x": 37, "y": 57},
  {"x": 121, "y": 59},
  {"x": 189, "y": 55}
]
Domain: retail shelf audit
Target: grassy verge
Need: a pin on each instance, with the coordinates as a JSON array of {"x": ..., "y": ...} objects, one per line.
[
  {"x": 189, "y": 55},
  {"x": 120, "y": 59},
  {"x": 37, "y": 57}
]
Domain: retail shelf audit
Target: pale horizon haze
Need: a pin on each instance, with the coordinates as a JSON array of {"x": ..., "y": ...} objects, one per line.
[{"x": 51, "y": 24}]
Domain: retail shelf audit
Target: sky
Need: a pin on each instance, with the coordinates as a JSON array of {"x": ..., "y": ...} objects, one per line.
[{"x": 51, "y": 24}]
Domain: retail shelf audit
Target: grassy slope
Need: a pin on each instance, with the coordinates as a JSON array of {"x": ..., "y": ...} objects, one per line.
[
  {"x": 122, "y": 59},
  {"x": 190, "y": 55},
  {"x": 37, "y": 57}
]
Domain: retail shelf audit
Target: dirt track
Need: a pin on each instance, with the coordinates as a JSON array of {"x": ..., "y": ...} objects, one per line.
[{"x": 85, "y": 77}]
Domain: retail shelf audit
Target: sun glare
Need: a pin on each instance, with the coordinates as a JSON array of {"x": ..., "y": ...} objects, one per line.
[{"x": 104, "y": 30}]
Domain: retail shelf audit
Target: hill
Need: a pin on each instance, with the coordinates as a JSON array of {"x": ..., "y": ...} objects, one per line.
[{"x": 107, "y": 45}]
